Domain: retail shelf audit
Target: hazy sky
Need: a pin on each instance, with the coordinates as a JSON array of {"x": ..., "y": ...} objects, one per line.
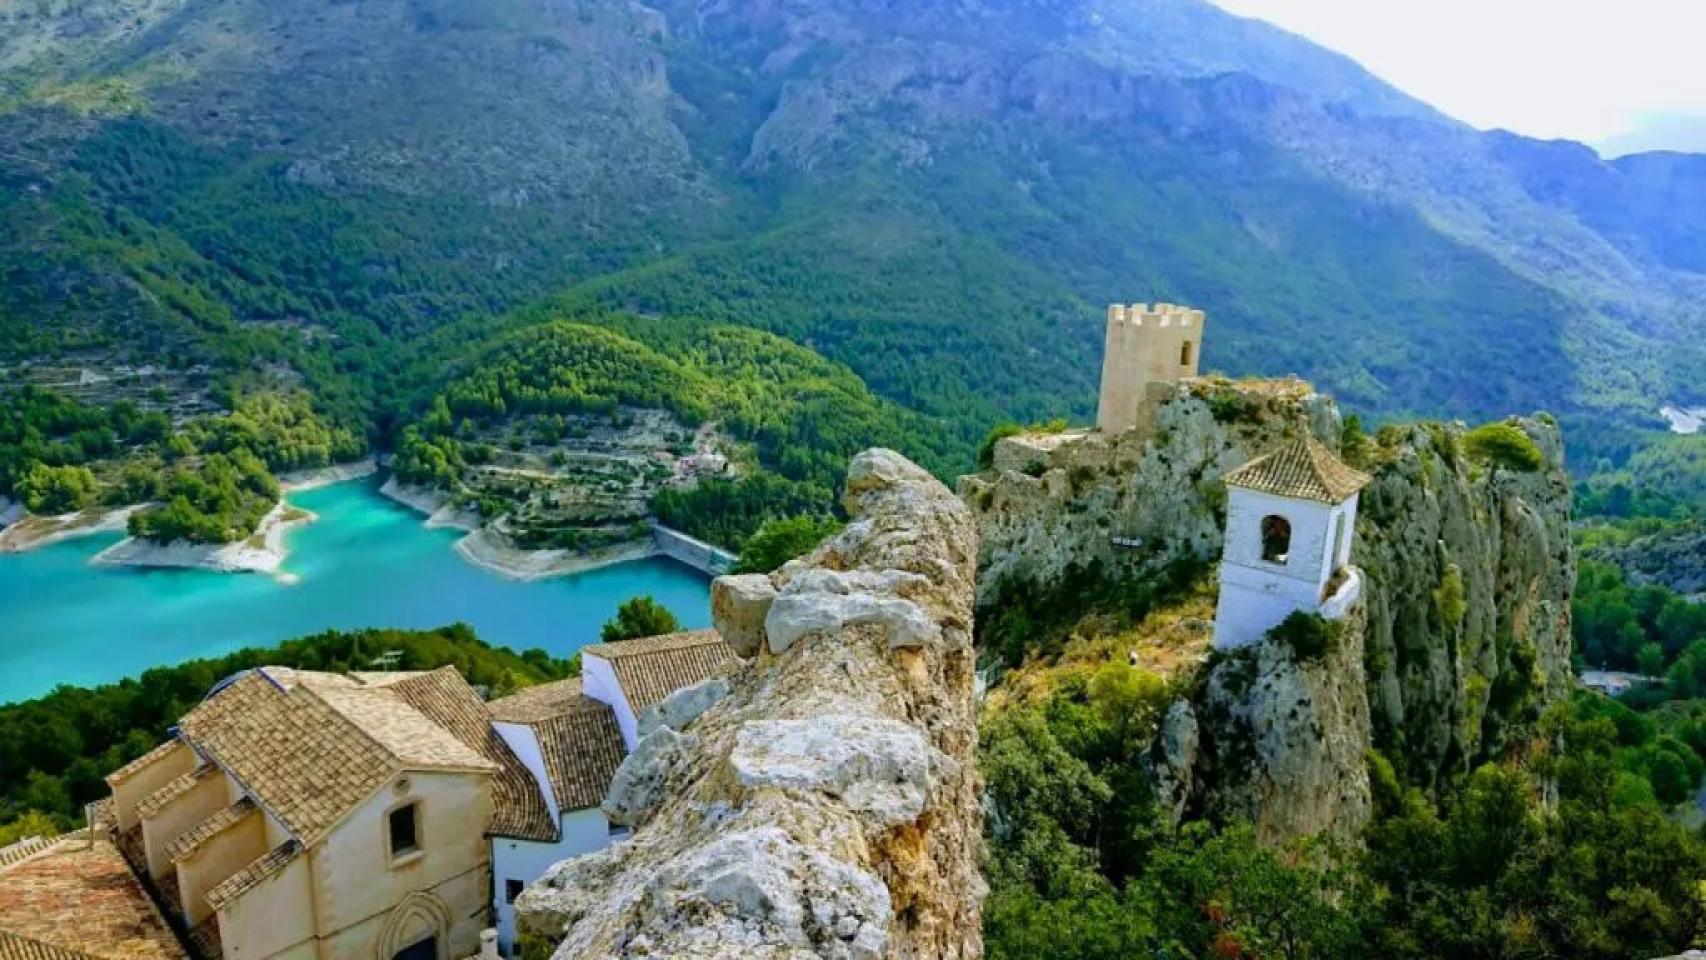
[{"x": 1584, "y": 69}]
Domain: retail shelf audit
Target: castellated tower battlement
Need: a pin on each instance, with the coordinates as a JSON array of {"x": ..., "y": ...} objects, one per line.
[{"x": 1145, "y": 344}]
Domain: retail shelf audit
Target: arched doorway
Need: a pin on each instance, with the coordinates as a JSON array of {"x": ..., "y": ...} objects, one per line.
[{"x": 417, "y": 929}]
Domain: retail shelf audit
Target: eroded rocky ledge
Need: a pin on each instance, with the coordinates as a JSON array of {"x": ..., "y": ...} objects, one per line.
[{"x": 826, "y": 803}]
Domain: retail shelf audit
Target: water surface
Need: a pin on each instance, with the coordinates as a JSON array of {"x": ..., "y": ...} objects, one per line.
[{"x": 367, "y": 562}]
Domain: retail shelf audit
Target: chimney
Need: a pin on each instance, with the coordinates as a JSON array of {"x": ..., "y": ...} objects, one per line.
[{"x": 489, "y": 944}]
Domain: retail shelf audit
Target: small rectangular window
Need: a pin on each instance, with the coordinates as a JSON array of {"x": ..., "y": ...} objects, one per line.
[
  {"x": 1185, "y": 354},
  {"x": 405, "y": 837},
  {"x": 512, "y": 889},
  {"x": 617, "y": 831}
]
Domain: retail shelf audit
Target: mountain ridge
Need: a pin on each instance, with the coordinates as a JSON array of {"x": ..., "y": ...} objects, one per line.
[{"x": 939, "y": 195}]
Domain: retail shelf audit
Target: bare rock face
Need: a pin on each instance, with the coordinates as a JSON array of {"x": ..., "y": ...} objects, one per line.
[
  {"x": 739, "y": 605},
  {"x": 828, "y": 805},
  {"x": 1285, "y": 737},
  {"x": 683, "y": 706},
  {"x": 637, "y": 787},
  {"x": 1470, "y": 569}
]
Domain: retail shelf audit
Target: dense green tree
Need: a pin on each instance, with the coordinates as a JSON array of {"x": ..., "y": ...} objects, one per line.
[
  {"x": 638, "y": 617},
  {"x": 31, "y": 823},
  {"x": 1503, "y": 444},
  {"x": 781, "y": 540},
  {"x": 1650, "y": 659},
  {"x": 1613, "y": 622},
  {"x": 221, "y": 499},
  {"x": 44, "y": 489}
]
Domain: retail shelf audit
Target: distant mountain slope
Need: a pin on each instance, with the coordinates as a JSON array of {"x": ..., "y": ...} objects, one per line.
[{"x": 942, "y": 195}]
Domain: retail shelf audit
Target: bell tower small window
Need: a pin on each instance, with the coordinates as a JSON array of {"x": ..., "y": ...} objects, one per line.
[
  {"x": 1186, "y": 353},
  {"x": 1276, "y": 538}
]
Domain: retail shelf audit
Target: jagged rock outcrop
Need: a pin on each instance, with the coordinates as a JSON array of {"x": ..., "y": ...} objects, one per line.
[
  {"x": 827, "y": 806},
  {"x": 1461, "y": 636},
  {"x": 1470, "y": 570},
  {"x": 1284, "y": 738},
  {"x": 1674, "y": 558},
  {"x": 1133, "y": 502}
]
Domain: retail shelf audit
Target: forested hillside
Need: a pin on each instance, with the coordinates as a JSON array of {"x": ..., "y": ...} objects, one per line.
[
  {"x": 941, "y": 197},
  {"x": 796, "y": 416}
]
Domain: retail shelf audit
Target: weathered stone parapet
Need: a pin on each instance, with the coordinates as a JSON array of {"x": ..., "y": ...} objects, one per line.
[{"x": 827, "y": 806}]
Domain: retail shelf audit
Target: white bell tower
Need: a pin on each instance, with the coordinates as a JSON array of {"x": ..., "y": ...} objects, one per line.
[{"x": 1290, "y": 520}]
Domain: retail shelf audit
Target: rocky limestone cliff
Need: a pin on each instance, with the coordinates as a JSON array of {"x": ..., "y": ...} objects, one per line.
[
  {"x": 1281, "y": 740},
  {"x": 826, "y": 803},
  {"x": 1461, "y": 635},
  {"x": 1056, "y": 501},
  {"x": 1470, "y": 569}
]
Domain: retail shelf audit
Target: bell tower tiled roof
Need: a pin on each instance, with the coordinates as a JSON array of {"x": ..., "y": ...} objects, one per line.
[{"x": 1302, "y": 469}]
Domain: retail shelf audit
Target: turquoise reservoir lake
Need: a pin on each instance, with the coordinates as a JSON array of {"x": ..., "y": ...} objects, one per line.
[{"x": 367, "y": 562}]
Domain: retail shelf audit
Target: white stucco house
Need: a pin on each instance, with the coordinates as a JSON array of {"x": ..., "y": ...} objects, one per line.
[
  {"x": 1290, "y": 523},
  {"x": 573, "y": 735}
]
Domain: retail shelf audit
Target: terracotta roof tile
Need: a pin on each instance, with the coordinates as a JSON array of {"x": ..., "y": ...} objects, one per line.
[
  {"x": 582, "y": 747},
  {"x": 310, "y": 747},
  {"x": 652, "y": 668},
  {"x": 519, "y": 808},
  {"x": 1303, "y": 469},
  {"x": 23, "y": 850},
  {"x": 259, "y": 869},
  {"x": 13, "y": 947},
  {"x": 174, "y": 788},
  {"x": 213, "y": 826},
  {"x": 80, "y": 899},
  {"x": 300, "y": 759},
  {"x": 404, "y": 732},
  {"x": 538, "y": 702}
]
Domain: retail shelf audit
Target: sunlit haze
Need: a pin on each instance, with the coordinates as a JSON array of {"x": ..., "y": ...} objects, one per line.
[{"x": 1626, "y": 75}]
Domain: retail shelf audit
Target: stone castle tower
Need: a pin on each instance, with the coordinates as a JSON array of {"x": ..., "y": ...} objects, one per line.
[{"x": 1144, "y": 345}]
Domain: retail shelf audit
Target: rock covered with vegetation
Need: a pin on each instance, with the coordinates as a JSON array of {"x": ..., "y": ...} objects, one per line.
[
  {"x": 1284, "y": 732},
  {"x": 1130, "y": 504},
  {"x": 1464, "y": 634},
  {"x": 1470, "y": 571},
  {"x": 1308, "y": 796},
  {"x": 828, "y": 805}
]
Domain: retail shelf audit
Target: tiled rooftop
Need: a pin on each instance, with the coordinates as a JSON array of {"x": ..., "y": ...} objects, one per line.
[
  {"x": 212, "y": 827},
  {"x": 538, "y": 702},
  {"x": 652, "y": 668},
  {"x": 582, "y": 749},
  {"x": 23, "y": 849},
  {"x": 133, "y": 767},
  {"x": 245, "y": 879},
  {"x": 442, "y": 695},
  {"x": 80, "y": 899},
  {"x": 578, "y": 737},
  {"x": 310, "y": 747},
  {"x": 13, "y": 947},
  {"x": 1301, "y": 468},
  {"x": 174, "y": 788}
]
